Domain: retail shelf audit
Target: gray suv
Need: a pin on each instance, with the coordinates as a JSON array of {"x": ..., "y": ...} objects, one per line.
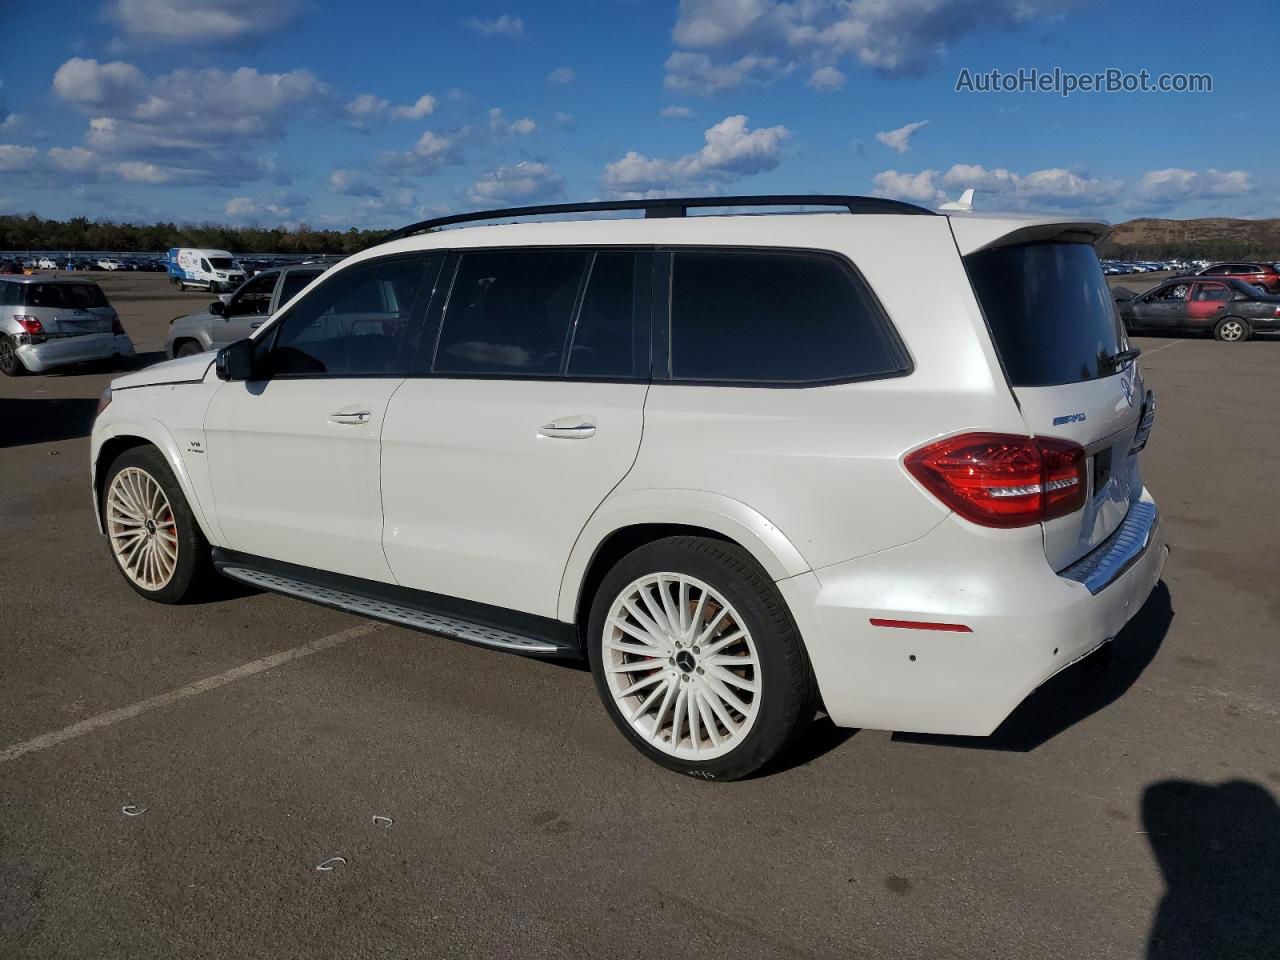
[
  {"x": 235, "y": 316},
  {"x": 48, "y": 322}
]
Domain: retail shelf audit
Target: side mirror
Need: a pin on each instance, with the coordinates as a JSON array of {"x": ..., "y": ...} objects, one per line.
[
  {"x": 217, "y": 308},
  {"x": 235, "y": 361}
]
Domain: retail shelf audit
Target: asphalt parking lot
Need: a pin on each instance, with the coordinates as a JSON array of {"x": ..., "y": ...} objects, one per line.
[{"x": 1128, "y": 808}]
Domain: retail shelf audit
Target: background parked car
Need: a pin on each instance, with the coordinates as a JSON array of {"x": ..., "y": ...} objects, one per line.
[
  {"x": 1259, "y": 274},
  {"x": 47, "y": 323},
  {"x": 236, "y": 316},
  {"x": 1229, "y": 308}
]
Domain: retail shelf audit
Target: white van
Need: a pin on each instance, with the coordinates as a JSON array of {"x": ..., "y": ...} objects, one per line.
[{"x": 212, "y": 270}]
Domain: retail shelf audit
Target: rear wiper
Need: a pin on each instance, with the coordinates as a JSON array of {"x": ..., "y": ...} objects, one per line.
[{"x": 1120, "y": 361}]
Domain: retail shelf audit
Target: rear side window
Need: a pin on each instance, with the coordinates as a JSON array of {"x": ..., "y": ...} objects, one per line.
[
  {"x": 1050, "y": 312},
  {"x": 775, "y": 318},
  {"x": 62, "y": 296},
  {"x": 508, "y": 312},
  {"x": 605, "y": 342}
]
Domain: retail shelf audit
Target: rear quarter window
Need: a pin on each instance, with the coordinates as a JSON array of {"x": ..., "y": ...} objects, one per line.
[
  {"x": 745, "y": 316},
  {"x": 1051, "y": 314}
]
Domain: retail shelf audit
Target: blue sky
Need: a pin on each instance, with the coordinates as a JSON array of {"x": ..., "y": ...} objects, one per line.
[{"x": 340, "y": 115}]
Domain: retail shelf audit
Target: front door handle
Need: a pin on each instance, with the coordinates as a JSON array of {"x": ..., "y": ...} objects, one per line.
[
  {"x": 345, "y": 416},
  {"x": 568, "y": 428},
  {"x": 255, "y": 325}
]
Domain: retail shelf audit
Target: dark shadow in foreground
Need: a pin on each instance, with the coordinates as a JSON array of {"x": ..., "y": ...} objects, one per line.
[
  {"x": 1080, "y": 690},
  {"x": 1219, "y": 849},
  {"x": 821, "y": 737},
  {"x": 25, "y": 421}
]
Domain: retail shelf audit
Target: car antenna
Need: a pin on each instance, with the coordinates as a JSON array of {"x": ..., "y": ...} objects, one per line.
[{"x": 964, "y": 204}]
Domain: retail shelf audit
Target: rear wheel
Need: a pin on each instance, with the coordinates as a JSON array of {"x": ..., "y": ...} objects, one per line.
[
  {"x": 188, "y": 348},
  {"x": 10, "y": 365},
  {"x": 697, "y": 660},
  {"x": 1232, "y": 330},
  {"x": 155, "y": 540}
]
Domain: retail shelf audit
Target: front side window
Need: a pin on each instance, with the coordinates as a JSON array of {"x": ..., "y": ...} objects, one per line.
[
  {"x": 775, "y": 318},
  {"x": 508, "y": 312},
  {"x": 254, "y": 298},
  {"x": 1173, "y": 294},
  {"x": 353, "y": 324}
]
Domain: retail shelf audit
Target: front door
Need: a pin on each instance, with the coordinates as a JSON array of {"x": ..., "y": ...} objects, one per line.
[
  {"x": 524, "y": 412},
  {"x": 294, "y": 452},
  {"x": 1163, "y": 309}
]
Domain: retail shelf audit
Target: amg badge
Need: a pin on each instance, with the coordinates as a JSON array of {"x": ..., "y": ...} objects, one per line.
[{"x": 1069, "y": 418}]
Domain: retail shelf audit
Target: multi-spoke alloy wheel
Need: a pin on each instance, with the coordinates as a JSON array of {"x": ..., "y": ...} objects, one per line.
[
  {"x": 682, "y": 666},
  {"x": 142, "y": 529},
  {"x": 1231, "y": 330},
  {"x": 697, "y": 659}
]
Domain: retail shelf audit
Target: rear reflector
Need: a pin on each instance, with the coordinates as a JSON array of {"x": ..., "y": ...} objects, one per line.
[
  {"x": 920, "y": 625},
  {"x": 1003, "y": 480}
]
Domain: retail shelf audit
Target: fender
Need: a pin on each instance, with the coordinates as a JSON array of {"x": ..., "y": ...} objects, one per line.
[
  {"x": 697, "y": 508},
  {"x": 155, "y": 433}
]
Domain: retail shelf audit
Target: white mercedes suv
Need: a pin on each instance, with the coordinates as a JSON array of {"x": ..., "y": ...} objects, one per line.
[{"x": 880, "y": 462}]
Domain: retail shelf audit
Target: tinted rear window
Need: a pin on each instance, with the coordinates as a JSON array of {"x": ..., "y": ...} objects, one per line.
[
  {"x": 764, "y": 317},
  {"x": 1050, "y": 311},
  {"x": 64, "y": 296}
]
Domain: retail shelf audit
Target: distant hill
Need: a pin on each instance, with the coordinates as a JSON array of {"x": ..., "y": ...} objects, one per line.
[{"x": 1213, "y": 238}]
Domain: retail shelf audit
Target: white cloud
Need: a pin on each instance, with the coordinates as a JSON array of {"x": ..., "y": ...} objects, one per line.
[
  {"x": 565, "y": 121},
  {"x": 93, "y": 85},
  {"x": 677, "y": 112},
  {"x": 17, "y": 159},
  {"x": 499, "y": 126},
  {"x": 247, "y": 210},
  {"x": 1051, "y": 188},
  {"x": 561, "y": 76},
  {"x": 205, "y": 22},
  {"x": 431, "y": 152},
  {"x": 503, "y": 26},
  {"x": 73, "y": 159},
  {"x": 695, "y": 72},
  {"x": 1174, "y": 184},
  {"x": 900, "y": 139},
  {"x": 731, "y": 151},
  {"x": 424, "y": 106},
  {"x": 352, "y": 183},
  {"x": 891, "y": 36},
  {"x": 366, "y": 111},
  {"x": 523, "y": 182},
  {"x": 827, "y": 79}
]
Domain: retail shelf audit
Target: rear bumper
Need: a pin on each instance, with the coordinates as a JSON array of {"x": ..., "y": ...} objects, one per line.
[
  {"x": 1025, "y": 622},
  {"x": 59, "y": 352}
]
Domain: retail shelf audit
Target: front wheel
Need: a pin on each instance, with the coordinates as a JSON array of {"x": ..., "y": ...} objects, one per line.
[
  {"x": 189, "y": 348},
  {"x": 155, "y": 540},
  {"x": 1231, "y": 330},
  {"x": 697, "y": 660}
]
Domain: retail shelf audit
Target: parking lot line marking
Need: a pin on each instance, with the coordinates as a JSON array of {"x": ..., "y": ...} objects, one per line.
[
  {"x": 1150, "y": 353},
  {"x": 46, "y": 740}
]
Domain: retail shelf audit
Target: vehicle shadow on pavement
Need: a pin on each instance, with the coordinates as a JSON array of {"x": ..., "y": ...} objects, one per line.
[
  {"x": 1080, "y": 690},
  {"x": 1218, "y": 846},
  {"x": 25, "y": 421}
]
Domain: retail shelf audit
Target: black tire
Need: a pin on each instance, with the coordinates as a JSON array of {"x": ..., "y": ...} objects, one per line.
[
  {"x": 182, "y": 287},
  {"x": 193, "y": 574},
  {"x": 10, "y": 365},
  {"x": 788, "y": 690},
  {"x": 188, "y": 348},
  {"x": 1232, "y": 330}
]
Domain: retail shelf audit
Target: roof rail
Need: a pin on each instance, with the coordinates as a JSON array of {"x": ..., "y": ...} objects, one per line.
[{"x": 670, "y": 207}]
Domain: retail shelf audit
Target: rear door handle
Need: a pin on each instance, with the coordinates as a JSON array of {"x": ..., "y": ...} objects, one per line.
[
  {"x": 568, "y": 428},
  {"x": 346, "y": 416}
]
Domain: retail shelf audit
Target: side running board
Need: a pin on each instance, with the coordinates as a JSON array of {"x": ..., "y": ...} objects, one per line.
[{"x": 443, "y": 616}]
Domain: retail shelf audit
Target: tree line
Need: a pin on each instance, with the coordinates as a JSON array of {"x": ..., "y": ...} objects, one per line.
[{"x": 79, "y": 233}]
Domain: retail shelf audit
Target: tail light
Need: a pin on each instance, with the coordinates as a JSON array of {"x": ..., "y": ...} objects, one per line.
[
  {"x": 116, "y": 326},
  {"x": 29, "y": 324},
  {"x": 1003, "y": 480}
]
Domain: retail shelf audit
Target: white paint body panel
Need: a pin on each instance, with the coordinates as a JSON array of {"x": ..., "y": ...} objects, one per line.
[
  {"x": 291, "y": 484},
  {"x": 449, "y": 487},
  {"x": 479, "y": 504}
]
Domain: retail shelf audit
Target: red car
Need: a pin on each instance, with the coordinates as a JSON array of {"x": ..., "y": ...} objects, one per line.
[{"x": 1258, "y": 274}]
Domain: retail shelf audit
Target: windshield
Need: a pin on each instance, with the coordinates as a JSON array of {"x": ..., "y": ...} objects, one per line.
[
  {"x": 1050, "y": 311},
  {"x": 74, "y": 296},
  {"x": 223, "y": 263}
]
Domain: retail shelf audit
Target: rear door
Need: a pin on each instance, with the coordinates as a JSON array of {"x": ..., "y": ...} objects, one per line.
[
  {"x": 1056, "y": 329},
  {"x": 1209, "y": 303},
  {"x": 524, "y": 411}
]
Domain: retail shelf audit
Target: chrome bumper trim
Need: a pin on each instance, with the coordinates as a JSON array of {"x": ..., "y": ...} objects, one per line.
[{"x": 1104, "y": 564}]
